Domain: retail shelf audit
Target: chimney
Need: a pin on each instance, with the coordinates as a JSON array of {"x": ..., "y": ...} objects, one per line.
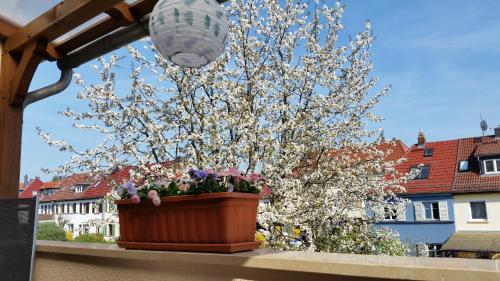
[
  {"x": 421, "y": 139},
  {"x": 497, "y": 132},
  {"x": 26, "y": 180}
]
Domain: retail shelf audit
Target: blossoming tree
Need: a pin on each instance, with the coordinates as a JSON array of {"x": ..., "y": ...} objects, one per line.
[{"x": 286, "y": 99}]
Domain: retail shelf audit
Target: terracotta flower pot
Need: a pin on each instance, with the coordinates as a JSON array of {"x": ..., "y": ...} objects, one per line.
[{"x": 218, "y": 222}]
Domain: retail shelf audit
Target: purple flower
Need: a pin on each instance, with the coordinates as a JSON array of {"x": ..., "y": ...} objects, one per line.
[
  {"x": 198, "y": 175},
  {"x": 119, "y": 191},
  {"x": 230, "y": 187},
  {"x": 129, "y": 186}
]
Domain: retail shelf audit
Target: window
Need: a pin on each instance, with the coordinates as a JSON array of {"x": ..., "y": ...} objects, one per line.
[
  {"x": 70, "y": 227},
  {"x": 422, "y": 172},
  {"x": 435, "y": 250},
  {"x": 98, "y": 208},
  {"x": 111, "y": 230},
  {"x": 492, "y": 166},
  {"x": 428, "y": 152},
  {"x": 84, "y": 229},
  {"x": 431, "y": 210},
  {"x": 85, "y": 207},
  {"x": 390, "y": 213},
  {"x": 478, "y": 210},
  {"x": 74, "y": 208},
  {"x": 463, "y": 166}
]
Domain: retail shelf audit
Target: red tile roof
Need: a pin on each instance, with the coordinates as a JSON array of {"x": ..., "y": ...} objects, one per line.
[
  {"x": 98, "y": 186},
  {"x": 487, "y": 146},
  {"x": 104, "y": 185},
  {"x": 473, "y": 180},
  {"x": 33, "y": 185},
  {"x": 51, "y": 184},
  {"x": 65, "y": 186},
  {"x": 442, "y": 166},
  {"x": 397, "y": 149}
]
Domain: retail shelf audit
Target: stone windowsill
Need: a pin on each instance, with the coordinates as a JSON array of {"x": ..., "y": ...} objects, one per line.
[
  {"x": 307, "y": 265},
  {"x": 477, "y": 221}
]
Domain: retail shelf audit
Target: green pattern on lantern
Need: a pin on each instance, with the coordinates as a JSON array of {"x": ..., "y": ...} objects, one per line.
[
  {"x": 216, "y": 29},
  {"x": 207, "y": 21},
  {"x": 219, "y": 14},
  {"x": 153, "y": 25},
  {"x": 208, "y": 2},
  {"x": 176, "y": 14},
  {"x": 189, "y": 2},
  {"x": 189, "y": 17},
  {"x": 161, "y": 17}
]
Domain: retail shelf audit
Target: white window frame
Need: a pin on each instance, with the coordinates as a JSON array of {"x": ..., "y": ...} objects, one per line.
[
  {"x": 495, "y": 168},
  {"x": 442, "y": 207},
  {"x": 470, "y": 211}
]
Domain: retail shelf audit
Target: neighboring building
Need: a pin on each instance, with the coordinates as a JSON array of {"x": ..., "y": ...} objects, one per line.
[
  {"x": 428, "y": 218},
  {"x": 476, "y": 195},
  {"x": 78, "y": 203},
  {"x": 32, "y": 186}
]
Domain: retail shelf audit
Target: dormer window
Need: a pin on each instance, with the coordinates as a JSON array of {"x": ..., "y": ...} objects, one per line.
[
  {"x": 491, "y": 166},
  {"x": 463, "y": 166},
  {"x": 80, "y": 188},
  {"x": 428, "y": 152}
]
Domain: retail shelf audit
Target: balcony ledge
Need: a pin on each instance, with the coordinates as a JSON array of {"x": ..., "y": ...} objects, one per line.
[{"x": 85, "y": 261}]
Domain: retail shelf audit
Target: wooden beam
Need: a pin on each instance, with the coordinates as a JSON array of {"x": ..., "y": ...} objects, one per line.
[
  {"x": 11, "y": 124},
  {"x": 121, "y": 13},
  {"x": 137, "y": 9},
  {"x": 6, "y": 29},
  {"x": 57, "y": 21},
  {"x": 25, "y": 70}
]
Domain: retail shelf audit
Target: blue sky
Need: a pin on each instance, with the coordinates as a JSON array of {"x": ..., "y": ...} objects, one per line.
[{"x": 441, "y": 58}]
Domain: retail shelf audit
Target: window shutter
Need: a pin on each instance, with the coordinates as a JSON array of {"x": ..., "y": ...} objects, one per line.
[
  {"x": 401, "y": 215},
  {"x": 419, "y": 212},
  {"x": 443, "y": 210}
]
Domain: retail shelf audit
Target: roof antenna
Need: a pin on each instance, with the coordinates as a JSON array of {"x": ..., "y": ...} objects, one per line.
[{"x": 483, "y": 124}]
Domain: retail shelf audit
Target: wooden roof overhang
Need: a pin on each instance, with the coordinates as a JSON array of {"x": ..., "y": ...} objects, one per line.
[{"x": 24, "y": 47}]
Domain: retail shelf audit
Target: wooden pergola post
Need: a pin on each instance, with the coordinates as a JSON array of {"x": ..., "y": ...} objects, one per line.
[
  {"x": 21, "y": 51},
  {"x": 22, "y": 48},
  {"x": 16, "y": 73}
]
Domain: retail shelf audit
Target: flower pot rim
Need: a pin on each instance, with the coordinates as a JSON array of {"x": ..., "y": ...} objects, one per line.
[{"x": 204, "y": 196}]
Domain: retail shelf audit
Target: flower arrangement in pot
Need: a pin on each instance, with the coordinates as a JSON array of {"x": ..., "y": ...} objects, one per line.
[{"x": 205, "y": 211}]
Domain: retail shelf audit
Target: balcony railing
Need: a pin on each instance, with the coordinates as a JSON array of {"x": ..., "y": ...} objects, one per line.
[{"x": 81, "y": 261}]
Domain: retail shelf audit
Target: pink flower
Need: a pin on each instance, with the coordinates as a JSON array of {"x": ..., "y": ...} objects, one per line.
[
  {"x": 231, "y": 172},
  {"x": 255, "y": 177},
  {"x": 183, "y": 187},
  {"x": 135, "y": 199},
  {"x": 152, "y": 194},
  {"x": 156, "y": 201},
  {"x": 266, "y": 191}
]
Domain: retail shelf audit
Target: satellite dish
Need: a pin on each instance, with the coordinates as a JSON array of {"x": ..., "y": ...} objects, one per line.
[{"x": 484, "y": 125}]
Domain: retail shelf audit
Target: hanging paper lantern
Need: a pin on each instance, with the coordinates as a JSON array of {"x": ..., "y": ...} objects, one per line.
[{"x": 188, "y": 32}]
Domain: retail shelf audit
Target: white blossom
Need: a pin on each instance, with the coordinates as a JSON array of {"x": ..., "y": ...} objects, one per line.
[{"x": 286, "y": 99}]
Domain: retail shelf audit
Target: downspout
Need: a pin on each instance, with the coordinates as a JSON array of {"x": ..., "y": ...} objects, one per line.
[
  {"x": 50, "y": 90},
  {"x": 89, "y": 52}
]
